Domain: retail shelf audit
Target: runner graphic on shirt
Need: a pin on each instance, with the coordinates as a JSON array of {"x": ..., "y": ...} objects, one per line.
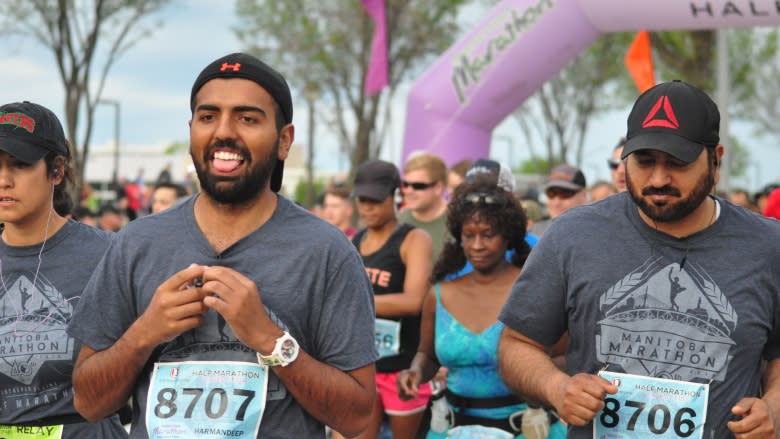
[
  {"x": 33, "y": 318},
  {"x": 667, "y": 321}
]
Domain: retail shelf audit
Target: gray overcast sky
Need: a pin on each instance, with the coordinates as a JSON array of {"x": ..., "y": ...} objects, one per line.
[{"x": 153, "y": 80}]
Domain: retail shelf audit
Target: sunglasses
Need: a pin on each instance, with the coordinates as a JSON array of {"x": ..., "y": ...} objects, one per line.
[
  {"x": 613, "y": 164},
  {"x": 556, "y": 192},
  {"x": 418, "y": 186},
  {"x": 484, "y": 199}
]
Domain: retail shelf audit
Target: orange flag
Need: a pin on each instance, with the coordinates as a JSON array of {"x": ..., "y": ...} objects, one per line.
[{"x": 639, "y": 61}]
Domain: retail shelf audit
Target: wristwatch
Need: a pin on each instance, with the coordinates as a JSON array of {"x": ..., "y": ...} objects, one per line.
[{"x": 285, "y": 352}]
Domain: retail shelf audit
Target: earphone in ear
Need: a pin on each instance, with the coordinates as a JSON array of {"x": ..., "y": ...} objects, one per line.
[
  {"x": 398, "y": 198},
  {"x": 55, "y": 172}
]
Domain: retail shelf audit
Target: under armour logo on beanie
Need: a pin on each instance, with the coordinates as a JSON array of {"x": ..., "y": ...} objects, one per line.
[{"x": 242, "y": 65}]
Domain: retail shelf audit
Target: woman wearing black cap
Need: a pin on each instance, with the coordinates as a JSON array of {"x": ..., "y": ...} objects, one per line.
[
  {"x": 397, "y": 260},
  {"x": 45, "y": 261}
]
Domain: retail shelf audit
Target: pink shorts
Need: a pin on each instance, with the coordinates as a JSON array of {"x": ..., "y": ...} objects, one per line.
[{"x": 387, "y": 387}]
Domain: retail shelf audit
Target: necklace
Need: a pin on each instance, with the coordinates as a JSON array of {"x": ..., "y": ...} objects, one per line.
[
  {"x": 710, "y": 221},
  {"x": 713, "y": 216},
  {"x": 715, "y": 206}
]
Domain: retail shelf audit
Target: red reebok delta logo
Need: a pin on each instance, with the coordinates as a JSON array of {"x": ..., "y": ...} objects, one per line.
[
  {"x": 234, "y": 67},
  {"x": 669, "y": 122}
]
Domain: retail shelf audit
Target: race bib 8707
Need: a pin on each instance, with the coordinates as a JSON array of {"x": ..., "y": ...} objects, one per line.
[
  {"x": 207, "y": 399},
  {"x": 651, "y": 408}
]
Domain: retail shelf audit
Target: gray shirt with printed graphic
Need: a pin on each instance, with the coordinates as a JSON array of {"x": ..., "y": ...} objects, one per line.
[
  {"x": 39, "y": 287},
  {"x": 702, "y": 309},
  {"x": 310, "y": 278}
]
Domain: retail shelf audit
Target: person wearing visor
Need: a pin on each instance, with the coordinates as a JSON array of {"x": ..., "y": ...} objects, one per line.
[
  {"x": 45, "y": 262},
  {"x": 566, "y": 188},
  {"x": 669, "y": 294},
  {"x": 397, "y": 257}
]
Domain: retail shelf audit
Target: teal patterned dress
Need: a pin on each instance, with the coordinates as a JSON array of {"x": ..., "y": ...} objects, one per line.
[{"x": 471, "y": 360}]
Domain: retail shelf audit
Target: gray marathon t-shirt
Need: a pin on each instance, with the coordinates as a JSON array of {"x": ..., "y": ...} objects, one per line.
[
  {"x": 700, "y": 309},
  {"x": 36, "y": 353},
  {"x": 309, "y": 276}
]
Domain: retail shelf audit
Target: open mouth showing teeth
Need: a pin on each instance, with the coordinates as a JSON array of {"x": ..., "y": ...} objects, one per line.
[{"x": 226, "y": 161}]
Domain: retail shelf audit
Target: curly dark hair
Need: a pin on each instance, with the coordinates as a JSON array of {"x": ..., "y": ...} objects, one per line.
[{"x": 508, "y": 219}]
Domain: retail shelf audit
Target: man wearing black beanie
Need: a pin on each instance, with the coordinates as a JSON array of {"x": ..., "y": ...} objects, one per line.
[{"x": 217, "y": 315}]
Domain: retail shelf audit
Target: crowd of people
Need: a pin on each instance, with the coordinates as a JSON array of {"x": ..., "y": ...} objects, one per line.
[{"x": 425, "y": 301}]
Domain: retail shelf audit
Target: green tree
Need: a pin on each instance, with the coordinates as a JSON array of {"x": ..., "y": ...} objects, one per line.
[
  {"x": 560, "y": 112},
  {"x": 328, "y": 43},
  {"x": 691, "y": 56},
  {"x": 763, "y": 107},
  {"x": 86, "y": 38}
]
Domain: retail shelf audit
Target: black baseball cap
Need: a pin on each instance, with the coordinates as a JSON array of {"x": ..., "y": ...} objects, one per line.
[
  {"x": 29, "y": 131},
  {"x": 673, "y": 117},
  {"x": 566, "y": 177},
  {"x": 243, "y": 65},
  {"x": 376, "y": 179}
]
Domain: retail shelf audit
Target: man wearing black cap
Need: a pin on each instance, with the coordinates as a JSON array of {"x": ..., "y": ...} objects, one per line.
[
  {"x": 45, "y": 262},
  {"x": 565, "y": 189},
  {"x": 674, "y": 322},
  {"x": 236, "y": 294}
]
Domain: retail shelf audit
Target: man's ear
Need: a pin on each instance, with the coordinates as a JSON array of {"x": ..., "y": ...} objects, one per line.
[
  {"x": 717, "y": 159},
  {"x": 286, "y": 137}
]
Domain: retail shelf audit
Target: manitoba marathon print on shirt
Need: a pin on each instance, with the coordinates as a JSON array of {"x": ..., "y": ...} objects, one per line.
[
  {"x": 33, "y": 318},
  {"x": 667, "y": 321}
]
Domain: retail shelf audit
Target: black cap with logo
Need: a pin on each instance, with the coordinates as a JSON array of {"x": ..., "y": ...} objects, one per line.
[
  {"x": 29, "y": 131},
  {"x": 673, "y": 117}
]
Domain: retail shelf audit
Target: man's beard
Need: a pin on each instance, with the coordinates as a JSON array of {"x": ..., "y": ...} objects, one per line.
[
  {"x": 243, "y": 188},
  {"x": 674, "y": 210}
]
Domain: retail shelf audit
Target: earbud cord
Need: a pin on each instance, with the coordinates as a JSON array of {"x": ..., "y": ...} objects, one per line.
[
  {"x": 713, "y": 217},
  {"x": 45, "y": 236},
  {"x": 40, "y": 258},
  {"x": 715, "y": 210}
]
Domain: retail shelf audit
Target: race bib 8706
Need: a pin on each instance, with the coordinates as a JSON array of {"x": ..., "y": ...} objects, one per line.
[
  {"x": 206, "y": 399},
  {"x": 651, "y": 408}
]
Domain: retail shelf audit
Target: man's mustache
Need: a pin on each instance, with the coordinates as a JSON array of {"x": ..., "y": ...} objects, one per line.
[{"x": 665, "y": 190}]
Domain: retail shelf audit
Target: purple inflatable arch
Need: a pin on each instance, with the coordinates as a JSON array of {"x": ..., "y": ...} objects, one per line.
[{"x": 454, "y": 106}]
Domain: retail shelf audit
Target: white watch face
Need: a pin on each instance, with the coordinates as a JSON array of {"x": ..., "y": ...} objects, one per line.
[
  {"x": 284, "y": 353},
  {"x": 288, "y": 350}
]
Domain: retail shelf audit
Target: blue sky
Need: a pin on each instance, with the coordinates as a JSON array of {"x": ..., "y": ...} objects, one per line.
[{"x": 153, "y": 79}]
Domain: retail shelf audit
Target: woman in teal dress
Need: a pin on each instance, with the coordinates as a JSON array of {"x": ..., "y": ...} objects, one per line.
[{"x": 460, "y": 328}]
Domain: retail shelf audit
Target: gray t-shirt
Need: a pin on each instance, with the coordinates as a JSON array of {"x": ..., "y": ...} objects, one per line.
[
  {"x": 309, "y": 276},
  {"x": 37, "y": 297},
  {"x": 700, "y": 309}
]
